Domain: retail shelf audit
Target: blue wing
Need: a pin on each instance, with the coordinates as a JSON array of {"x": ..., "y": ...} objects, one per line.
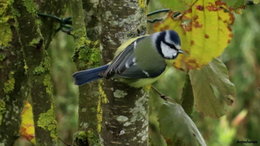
[{"x": 125, "y": 65}]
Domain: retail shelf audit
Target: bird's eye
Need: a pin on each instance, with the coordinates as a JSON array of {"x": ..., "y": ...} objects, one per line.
[{"x": 173, "y": 47}]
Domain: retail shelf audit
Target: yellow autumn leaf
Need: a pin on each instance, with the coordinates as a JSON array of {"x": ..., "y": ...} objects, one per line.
[
  {"x": 204, "y": 30},
  {"x": 27, "y": 125}
]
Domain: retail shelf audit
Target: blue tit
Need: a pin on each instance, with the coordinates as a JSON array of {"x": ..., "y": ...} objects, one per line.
[{"x": 139, "y": 61}]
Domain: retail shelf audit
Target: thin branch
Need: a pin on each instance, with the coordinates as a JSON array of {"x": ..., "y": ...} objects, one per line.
[
  {"x": 158, "y": 11},
  {"x": 164, "y": 97},
  {"x": 160, "y": 94}
]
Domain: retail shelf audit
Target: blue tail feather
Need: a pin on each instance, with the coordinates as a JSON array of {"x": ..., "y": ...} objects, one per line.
[{"x": 85, "y": 76}]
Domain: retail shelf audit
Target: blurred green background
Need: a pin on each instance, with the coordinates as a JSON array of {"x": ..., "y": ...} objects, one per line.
[{"x": 242, "y": 58}]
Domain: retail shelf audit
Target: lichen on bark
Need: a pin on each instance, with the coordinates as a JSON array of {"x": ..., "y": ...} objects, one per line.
[
  {"x": 87, "y": 54},
  {"x": 5, "y": 31},
  {"x": 125, "y": 115},
  {"x": 9, "y": 84},
  {"x": 30, "y": 6},
  {"x": 34, "y": 38},
  {"x": 48, "y": 122},
  {"x": 12, "y": 75}
]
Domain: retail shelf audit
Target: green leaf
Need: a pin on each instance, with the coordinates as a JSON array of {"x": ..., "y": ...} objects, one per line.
[
  {"x": 175, "y": 124},
  {"x": 155, "y": 102},
  {"x": 154, "y": 131},
  {"x": 177, "y": 5},
  {"x": 212, "y": 89},
  {"x": 187, "y": 96},
  {"x": 204, "y": 31},
  {"x": 235, "y": 3}
]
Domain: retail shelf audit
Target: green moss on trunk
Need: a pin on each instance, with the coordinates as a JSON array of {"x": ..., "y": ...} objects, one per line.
[
  {"x": 87, "y": 54},
  {"x": 12, "y": 75},
  {"x": 34, "y": 45},
  {"x": 22, "y": 48},
  {"x": 48, "y": 122},
  {"x": 5, "y": 31},
  {"x": 9, "y": 84}
]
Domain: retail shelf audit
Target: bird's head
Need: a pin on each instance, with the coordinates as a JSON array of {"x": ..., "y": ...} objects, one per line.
[{"x": 168, "y": 44}]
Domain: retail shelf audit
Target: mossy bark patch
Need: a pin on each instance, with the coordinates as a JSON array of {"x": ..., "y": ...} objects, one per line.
[
  {"x": 35, "y": 37},
  {"x": 86, "y": 138},
  {"x": 30, "y": 6},
  {"x": 48, "y": 85},
  {"x": 9, "y": 84},
  {"x": 5, "y": 34},
  {"x": 87, "y": 53},
  {"x": 48, "y": 122},
  {"x": 5, "y": 31},
  {"x": 43, "y": 67}
]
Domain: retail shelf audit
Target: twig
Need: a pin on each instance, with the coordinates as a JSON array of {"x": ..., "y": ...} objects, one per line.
[
  {"x": 65, "y": 23},
  {"x": 157, "y": 12},
  {"x": 154, "y": 20},
  {"x": 160, "y": 94}
]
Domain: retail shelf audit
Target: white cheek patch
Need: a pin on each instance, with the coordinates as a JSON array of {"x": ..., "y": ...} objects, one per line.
[{"x": 167, "y": 51}]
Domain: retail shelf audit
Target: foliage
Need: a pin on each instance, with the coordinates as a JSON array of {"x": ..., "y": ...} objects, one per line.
[
  {"x": 204, "y": 30},
  {"x": 213, "y": 91},
  {"x": 236, "y": 3},
  {"x": 178, "y": 5},
  {"x": 243, "y": 60},
  {"x": 179, "y": 127},
  {"x": 27, "y": 125}
]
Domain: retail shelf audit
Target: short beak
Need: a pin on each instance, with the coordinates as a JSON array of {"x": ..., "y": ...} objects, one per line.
[{"x": 181, "y": 51}]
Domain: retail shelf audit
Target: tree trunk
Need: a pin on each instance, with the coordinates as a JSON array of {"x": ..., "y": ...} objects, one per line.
[
  {"x": 125, "y": 116},
  {"x": 12, "y": 76},
  {"x": 87, "y": 55},
  {"x": 27, "y": 54},
  {"x": 38, "y": 72}
]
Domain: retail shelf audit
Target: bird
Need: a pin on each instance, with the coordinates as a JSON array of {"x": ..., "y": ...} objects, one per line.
[{"x": 139, "y": 61}]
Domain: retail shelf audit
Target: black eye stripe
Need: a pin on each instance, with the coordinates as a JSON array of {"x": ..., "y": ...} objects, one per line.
[
  {"x": 159, "y": 40},
  {"x": 170, "y": 45}
]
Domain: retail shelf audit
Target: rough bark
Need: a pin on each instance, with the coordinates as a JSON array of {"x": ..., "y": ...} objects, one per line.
[
  {"x": 12, "y": 76},
  {"x": 38, "y": 72},
  {"x": 125, "y": 115},
  {"x": 28, "y": 70},
  {"x": 87, "y": 55}
]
